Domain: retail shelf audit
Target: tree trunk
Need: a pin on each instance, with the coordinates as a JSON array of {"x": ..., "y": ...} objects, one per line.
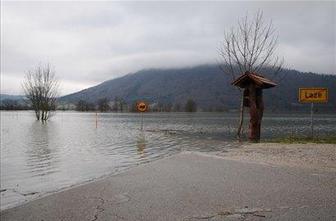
[
  {"x": 43, "y": 116},
  {"x": 241, "y": 117},
  {"x": 37, "y": 114},
  {"x": 260, "y": 108}
]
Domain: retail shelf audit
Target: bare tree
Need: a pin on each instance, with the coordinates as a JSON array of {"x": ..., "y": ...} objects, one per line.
[
  {"x": 250, "y": 47},
  {"x": 119, "y": 104},
  {"x": 190, "y": 106},
  {"x": 103, "y": 105},
  {"x": 83, "y": 105},
  {"x": 41, "y": 89}
]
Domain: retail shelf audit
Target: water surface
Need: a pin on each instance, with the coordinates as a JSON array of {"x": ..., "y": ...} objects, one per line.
[{"x": 41, "y": 158}]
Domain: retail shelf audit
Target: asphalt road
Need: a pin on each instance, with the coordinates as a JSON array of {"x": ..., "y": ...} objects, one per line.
[{"x": 191, "y": 186}]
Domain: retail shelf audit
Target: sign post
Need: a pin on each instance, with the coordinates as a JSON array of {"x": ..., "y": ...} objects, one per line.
[
  {"x": 313, "y": 95},
  {"x": 312, "y": 119},
  {"x": 142, "y": 107},
  {"x": 96, "y": 120},
  {"x": 141, "y": 120}
]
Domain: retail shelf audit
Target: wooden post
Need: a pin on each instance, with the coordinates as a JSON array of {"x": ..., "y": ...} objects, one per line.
[
  {"x": 260, "y": 108},
  {"x": 141, "y": 127},
  {"x": 241, "y": 117},
  {"x": 253, "y": 114},
  {"x": 256, "y": 112},
  {"x": 96, "y": 119},
  {"x": 312, "y": 120}
]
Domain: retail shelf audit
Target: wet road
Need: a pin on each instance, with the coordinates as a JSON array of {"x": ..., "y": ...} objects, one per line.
[{"x": 193, "y": 186}]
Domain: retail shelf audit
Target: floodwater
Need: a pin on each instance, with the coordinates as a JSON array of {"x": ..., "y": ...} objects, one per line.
[{"x": 37, "y": 158}]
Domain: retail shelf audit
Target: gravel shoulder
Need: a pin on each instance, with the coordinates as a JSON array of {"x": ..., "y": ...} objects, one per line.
[{"x": 313, "y": 156}]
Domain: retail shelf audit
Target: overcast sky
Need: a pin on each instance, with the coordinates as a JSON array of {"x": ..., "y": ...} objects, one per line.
[{"x": 90, "y": 42}]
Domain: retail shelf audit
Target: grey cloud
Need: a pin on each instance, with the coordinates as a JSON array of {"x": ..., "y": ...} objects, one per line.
[{"x": 89, "y": 42}]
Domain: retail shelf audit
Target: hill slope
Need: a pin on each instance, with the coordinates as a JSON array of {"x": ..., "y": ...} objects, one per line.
[
  {"x": 206, "y": 84},
  {"x": 11, "y": 97}
]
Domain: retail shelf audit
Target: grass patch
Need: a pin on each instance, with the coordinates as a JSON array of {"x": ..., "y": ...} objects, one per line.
[{"x": 303, "y": 140}]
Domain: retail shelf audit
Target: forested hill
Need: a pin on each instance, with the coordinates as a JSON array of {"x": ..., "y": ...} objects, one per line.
[
  {"x": 11, "y": 97},
  {"x": 207, "y": 85}
]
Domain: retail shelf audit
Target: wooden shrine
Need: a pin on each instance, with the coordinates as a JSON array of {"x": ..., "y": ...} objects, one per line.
[{"x": 253, "y": 84}]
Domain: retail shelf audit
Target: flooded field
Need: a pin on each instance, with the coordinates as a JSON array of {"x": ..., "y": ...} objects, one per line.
[{"x": 42, "y": 158}]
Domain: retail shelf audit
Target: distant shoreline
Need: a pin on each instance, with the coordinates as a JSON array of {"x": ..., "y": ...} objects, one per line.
[{"x": 196, "y": 112}]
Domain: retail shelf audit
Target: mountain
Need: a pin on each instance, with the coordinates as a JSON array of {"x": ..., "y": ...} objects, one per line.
[
  {"x": 11, "y": 97},
  {"x": 13, "y": 102},
  {"x": 207, "y": 85}
]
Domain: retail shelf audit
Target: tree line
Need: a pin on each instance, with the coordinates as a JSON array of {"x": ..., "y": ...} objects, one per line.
[
  {"x": 120, "y": 105},
  {"x": 9, "y": 104}
]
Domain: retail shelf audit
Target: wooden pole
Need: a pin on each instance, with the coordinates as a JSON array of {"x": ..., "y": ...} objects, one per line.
[
  {"x": 312, "y": 120},
  {"x": 141, "y": 121},
  {"x": 254, "y": 115},
  {"x": 241, "y": 116},
  {"x": 96, "y": 119}
]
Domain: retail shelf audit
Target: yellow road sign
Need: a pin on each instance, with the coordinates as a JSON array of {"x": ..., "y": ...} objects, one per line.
[
  {"x": 142, "y": 106},
  {"x": 313, "y": 95}
]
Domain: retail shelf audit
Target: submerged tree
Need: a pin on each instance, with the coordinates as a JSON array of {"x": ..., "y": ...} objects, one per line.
[
  {"x": 41, "y": 89},
  {"x": 119, "y": 104},
  {"x": 250, "y": 47},
  {"x": 83, "y": 105},
  {"x": 190, "y": 106},
  {"x": 103, "y": 105}
]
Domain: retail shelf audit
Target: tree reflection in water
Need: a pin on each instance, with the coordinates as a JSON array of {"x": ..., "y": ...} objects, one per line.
[
  {"x": 41, "y": 158},
  {"x": 141, "y": 144}
]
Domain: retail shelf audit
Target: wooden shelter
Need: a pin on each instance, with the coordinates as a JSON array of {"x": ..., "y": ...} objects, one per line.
[
  {"x": 253, "y": 84},
  {"x": 260, "y": 81}
]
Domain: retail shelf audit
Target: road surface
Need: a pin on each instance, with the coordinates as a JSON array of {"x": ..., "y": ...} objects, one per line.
[{"x": 193, "y": 186}]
